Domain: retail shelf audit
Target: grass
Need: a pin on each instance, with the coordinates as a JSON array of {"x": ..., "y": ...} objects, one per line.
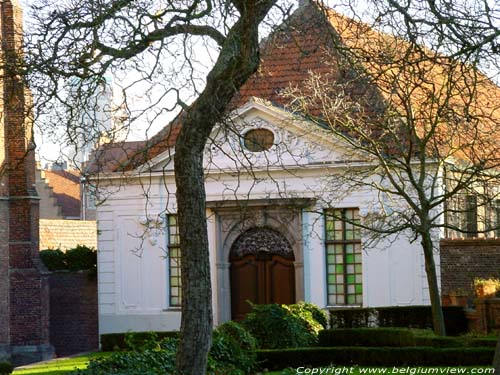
[
  {"x": 61, "y": 366},
  {"x": 66, "y": 365},
  {"x": 412, "y": 370}
]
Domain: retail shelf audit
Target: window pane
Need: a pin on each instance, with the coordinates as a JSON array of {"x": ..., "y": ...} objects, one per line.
[
  {"x": 174, "y": 262},
  {"x": 258, "y": 140},
  {"x": 343, "y": 256}
]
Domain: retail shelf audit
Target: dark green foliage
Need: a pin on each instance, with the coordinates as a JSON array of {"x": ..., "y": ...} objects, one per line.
[
  {"x": 6, "y": 368},
  {"x": 78, "y": 259},
  {"x": 134, "y": 340},
  {"x": 486, "y": 342},
  {"x": 54, "y": 260},
  {"x": 399, "y": 316},
  {"x": 380, "y": 356},
  {"x": 275, "y": 326},
  {"x": 81, "y": 258},
  {"x": 454, "y": 342},
  {"x": 233, "y": 348},
  {"x": 233, "y": 352},
  {"x": 455, "y": 320},
  {"x": 366, "y": 337},
  {"x": 353, "y": 317},
  {"x": 405, "y": 316},
  {"x": 397, "y": 337},
  {"x": 148, "y": 362}
]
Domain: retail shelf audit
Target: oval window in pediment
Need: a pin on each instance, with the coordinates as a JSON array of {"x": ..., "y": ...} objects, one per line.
[{"x": 257, "y": 140}]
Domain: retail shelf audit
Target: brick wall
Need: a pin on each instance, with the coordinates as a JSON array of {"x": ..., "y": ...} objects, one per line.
[
  {"x": 4, "y": 276},
  {"x": 24, "y": 285},
  {"x": 463, "y": 260},
  {"x": 73, "y": 312}
]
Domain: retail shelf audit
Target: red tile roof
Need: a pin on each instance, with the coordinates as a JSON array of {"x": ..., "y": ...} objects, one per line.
[
  {"x": 121, "y": 156},
  {"x": 309, "y": 42},
  {"x": 65, "y": 185},
  {"x": 67, "y": 234}
]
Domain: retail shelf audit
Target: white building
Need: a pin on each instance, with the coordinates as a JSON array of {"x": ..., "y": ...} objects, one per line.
[{"x": 269, "y": 194}]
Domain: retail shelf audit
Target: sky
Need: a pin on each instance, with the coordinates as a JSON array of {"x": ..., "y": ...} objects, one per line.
[{"x": 203, "y": 56}]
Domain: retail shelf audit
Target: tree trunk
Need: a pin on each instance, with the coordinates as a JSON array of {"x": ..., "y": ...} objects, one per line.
[
  {"x": 496, "y": 359},
  {"x": 196, "y": 326},
  {"x": 430, "y": 269},
  {"x": 238, "y": 59}
]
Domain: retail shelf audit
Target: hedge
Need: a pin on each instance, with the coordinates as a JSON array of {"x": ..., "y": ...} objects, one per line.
[
  {"x": 366, "y": 337},
  {"x": 79, "y": 258},
  {"x": 54, "y": 260},
  {"x": 397, "y": 337},
  {"x": 132, "y": 340},
  {"x": 277, "y": 359},
  {"x": 6, "y": 368},
  {"x": 399, "y": 316},
  {"x": 451, "y": 342}
]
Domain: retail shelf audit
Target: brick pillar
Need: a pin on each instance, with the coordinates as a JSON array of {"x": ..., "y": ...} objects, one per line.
[{"x": 26, "y": 333}]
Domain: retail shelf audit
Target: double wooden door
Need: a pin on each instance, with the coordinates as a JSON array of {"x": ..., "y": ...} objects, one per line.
[{"x": 260, "y": 278}]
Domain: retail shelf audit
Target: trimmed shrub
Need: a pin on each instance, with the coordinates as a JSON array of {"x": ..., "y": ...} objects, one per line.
[
  {"x": 233, "y": 348},
  {"x": 408, "y": 356},
  {"x": 54, "y": 260},
  {"x": 353, "y": 318},
  {"x": 317, "y": 316},
  {"x": 275, "y": 326},
  {"x": 366, "y": 337},
  {"x": 81, "y": 258},
  {"x": 6, "y": 368},
  {"x": 439, "y": 342},
  {"x": 134, "y": 340},
  {"x": 453, "y": 342},
  {"x": 398, "y": 316},
  {"x": 305, "y": 316},
  {"x": 232, "y": 352},
  {"x": 485, "y": 342},
  {"x": 144, "y": 362}
]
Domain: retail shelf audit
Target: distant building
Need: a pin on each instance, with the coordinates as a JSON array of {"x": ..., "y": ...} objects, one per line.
[
  {"x": 60, "y": 194},
  {"x": 98, "y": 120},
  {"x": 64, "y": 223}
]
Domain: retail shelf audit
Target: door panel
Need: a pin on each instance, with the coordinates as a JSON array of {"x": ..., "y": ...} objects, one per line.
[
  {"x": 261, "y": 279},
  {"x": 280, "y": 280},
  {"x": 244, "y": 286}
]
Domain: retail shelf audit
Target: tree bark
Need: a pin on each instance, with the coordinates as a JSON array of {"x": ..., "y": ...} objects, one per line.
[
  {"x": 238, "y": 59},
  {"x": 430, "y": 270}
]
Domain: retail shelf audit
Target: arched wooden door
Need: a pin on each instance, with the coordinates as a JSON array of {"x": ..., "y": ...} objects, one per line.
[{"x": 262, "y": 271}]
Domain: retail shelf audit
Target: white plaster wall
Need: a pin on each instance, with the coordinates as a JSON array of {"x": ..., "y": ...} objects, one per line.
[
  {"x": 132, "y": 272},
  {"x": 133, "y": 291}
]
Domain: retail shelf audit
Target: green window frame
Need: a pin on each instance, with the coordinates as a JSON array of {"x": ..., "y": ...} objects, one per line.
[
  {"x": 344, "y": 269},
  {"x": 174, "y": 262}
]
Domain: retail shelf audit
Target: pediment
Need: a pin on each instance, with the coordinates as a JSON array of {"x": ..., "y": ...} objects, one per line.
[{"x": 296, "y": 143}]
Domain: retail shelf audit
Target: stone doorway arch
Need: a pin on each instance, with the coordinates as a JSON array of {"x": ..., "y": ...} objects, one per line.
[{"x": 261, "y": 270}]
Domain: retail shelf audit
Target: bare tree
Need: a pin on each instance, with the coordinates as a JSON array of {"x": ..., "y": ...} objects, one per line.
[
  {"x": 76, "y": 44},
  {"x": 423, "y": 127}
]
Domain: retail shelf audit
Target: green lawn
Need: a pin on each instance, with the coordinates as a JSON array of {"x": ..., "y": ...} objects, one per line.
[
  {"x": 66, "y": 365},
  {"x": 61, "y": 366}
]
